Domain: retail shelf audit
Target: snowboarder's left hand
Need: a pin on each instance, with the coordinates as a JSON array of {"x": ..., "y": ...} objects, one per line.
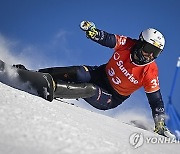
[
  {"x": 161, "y": 129},
  {"x": 89, "y": 28}
]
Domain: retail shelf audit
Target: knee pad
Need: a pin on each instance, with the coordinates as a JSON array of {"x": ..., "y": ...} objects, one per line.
[{"x": 83, "y": 74}]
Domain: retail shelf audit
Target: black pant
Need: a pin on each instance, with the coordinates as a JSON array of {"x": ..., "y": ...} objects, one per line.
[{"x": 105, "y": 96}]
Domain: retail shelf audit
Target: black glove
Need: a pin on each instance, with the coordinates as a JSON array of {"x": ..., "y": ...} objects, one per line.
[
  {"x": 20, "y": 66},
  {"x": 90, "y": 29},
  {"x": 160, "y": 127}
]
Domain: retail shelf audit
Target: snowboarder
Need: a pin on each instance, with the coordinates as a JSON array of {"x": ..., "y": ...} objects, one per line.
[{"x": 131, "y": 66}]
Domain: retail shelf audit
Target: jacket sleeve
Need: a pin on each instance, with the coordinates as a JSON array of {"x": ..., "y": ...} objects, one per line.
[
  {"x": 157, "y": 105},
  {"x": 105, "y": 39}
]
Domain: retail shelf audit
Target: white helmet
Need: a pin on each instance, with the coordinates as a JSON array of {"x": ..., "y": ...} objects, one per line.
[
  {"x": 153, "y": 37},
  {"x": 150, "y": 41}
]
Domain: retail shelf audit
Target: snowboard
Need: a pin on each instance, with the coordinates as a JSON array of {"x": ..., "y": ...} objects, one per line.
[{"x": 36, "y": 83}]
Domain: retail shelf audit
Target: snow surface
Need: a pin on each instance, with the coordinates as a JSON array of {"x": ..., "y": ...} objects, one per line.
[{"x": 32, "y": 125}]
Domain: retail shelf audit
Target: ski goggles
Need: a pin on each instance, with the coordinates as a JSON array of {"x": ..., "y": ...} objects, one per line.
[{"x": 149, "y": 48}]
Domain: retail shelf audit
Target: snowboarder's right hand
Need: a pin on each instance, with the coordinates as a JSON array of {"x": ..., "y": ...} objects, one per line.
[
  {"x": 20, "y": 66},
  {"x": 89, "y": 28},
  {"x": 87, "y": 25}
]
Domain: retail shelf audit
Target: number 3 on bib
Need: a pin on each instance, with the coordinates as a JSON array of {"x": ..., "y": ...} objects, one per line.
[
  {"x": 155, "y": 83},
  {"x": 113, "y": 76}
]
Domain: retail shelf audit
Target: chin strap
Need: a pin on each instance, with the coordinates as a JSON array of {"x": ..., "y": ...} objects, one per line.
[{"x": 74, "y": 90}]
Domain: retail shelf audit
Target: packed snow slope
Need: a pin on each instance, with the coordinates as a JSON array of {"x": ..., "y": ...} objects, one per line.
[{"x": 32, "y": 125}]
